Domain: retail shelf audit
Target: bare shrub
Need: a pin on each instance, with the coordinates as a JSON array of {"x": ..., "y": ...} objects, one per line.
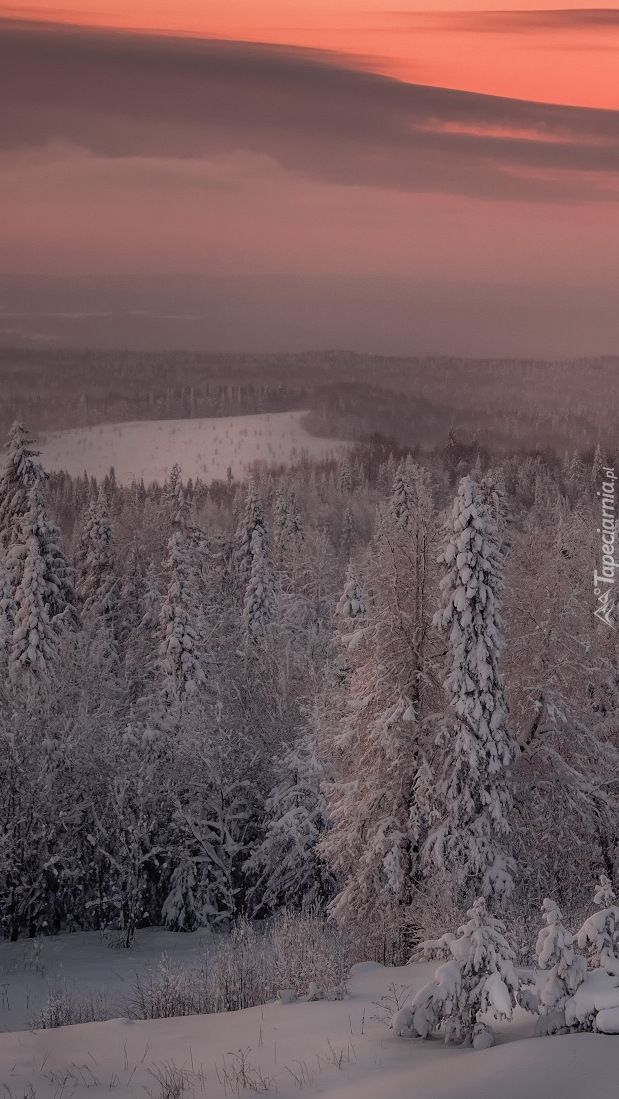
[
  {"x": 239, "y": 976},
  {"x": 174, "y": 1080},
  {"x": 65, "y": 1008},
  {"x": 306, "y": 949},
  {"x": 169, "y": 990},
  {"x": 237, "y": 1072},
  {"x": 294, "y": 951}
]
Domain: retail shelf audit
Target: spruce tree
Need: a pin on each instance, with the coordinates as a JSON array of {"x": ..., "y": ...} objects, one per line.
[
  {"x": 181, "y": 673},
  {"x": 479, "y": 978},
  {"x": 288, "y": 527},
  {"x": 563, "y": 969},
  {"x": 350, "y": 622},
  {"x": 260, "y": 606},
  {"x": 21, "y": 472},
  {"x": 469, "y": 844},
  {"x": 99, "y": 583},
  {"x": 600, "y": 932},
  {"x": 252, "y": 520},
  {"x": 44, "y": 599}
]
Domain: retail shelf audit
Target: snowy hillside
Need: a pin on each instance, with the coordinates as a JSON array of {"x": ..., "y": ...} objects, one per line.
[
  {"x": 206, "y": 448},
  {"x": 340, "y": 1050}
]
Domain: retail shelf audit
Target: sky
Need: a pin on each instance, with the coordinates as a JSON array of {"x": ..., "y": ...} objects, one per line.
[{"x": 303, "y": 153}]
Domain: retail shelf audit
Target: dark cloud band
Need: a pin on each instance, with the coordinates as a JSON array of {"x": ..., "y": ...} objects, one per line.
[{"x": 137, "y": 95}]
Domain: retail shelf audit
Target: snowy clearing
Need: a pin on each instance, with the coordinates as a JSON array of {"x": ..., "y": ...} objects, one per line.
[
  {"x": 341, "y": 1050},
  {"x": 206, "y": 448}
]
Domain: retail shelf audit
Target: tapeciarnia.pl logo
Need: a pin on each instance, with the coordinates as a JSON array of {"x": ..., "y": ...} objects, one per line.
[{"x": 603, "y": 583}]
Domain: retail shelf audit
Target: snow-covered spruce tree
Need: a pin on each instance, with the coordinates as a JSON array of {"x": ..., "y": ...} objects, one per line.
[
  {"x": 141, "y": 597},
  {"x": 260, "y": 602},
  {"x": 472, "y": 797},
  {"x": 285, "y": 866},
  {"x": 288, "y": 530},
  {"x": 600, "y": 932},
  {"x": 377, "y": 742},
  {"x": 350, "y": 621},
  {"x": 402, "y": 502},
  {"x": 479, "y": 977},
  {"x": 98, "y": 584},
  {"x": 494, "y": 495},
  {"x": 33, "y": 643},
  {"x": 21, "y": 472},
  {"x": 180, "y": 669},
  {"x": 564, "y": 969},
  {"x": 251, "y": 521},
  {"x": 177, "y": 499},
  {"x": 44, "y": 599},
  {"x": 348, "y": 533}
]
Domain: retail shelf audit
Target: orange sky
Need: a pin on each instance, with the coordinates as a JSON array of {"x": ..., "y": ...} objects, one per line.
[
  {"x": 130, "y": 155},
  {"x": 548, "y": 57}
]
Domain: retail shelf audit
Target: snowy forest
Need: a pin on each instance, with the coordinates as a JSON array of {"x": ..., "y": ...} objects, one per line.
[{"x": 371, "y": 686}]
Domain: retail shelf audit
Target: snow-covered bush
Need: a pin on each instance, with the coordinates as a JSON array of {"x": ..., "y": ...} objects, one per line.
[
  {"x": 600, "y": 932},
  {"x": 563, "y": 969},
  {"x": 480, "y": 977}
]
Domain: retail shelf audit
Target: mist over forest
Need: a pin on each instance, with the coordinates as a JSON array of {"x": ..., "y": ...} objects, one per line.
[{"x": 499, "y": 405}]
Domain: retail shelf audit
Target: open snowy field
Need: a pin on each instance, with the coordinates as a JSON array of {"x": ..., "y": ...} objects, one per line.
[
  {"x": 206, "y": 448},
  {"x": 339, "y": 1050}
]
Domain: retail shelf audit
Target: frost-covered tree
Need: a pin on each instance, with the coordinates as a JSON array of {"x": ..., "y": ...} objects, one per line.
[
  {"x": 287, "y": 871},
  {"x": 479, "y": 977},
  {"x": 574, "y": 473},
  {"x": 260, "y": 601},
  {"x": 181, "y": 672},
  {"x": 206, "y": 821},
  {"x": 352, "y": 604},
  {"x": 402, "y": 502},
  {"x": 142, "y": 597},
  {"x": 44, "y": 598},
  {"x": 600, "y": 932},
  {"x": 350, "y": 621},
  {"x": 98, "y": 581},
  {"x": 252, "y": 522},
  {"x": 563, "y": 969},
  {"x": 21, "y": 472},
  {"x": 34, "y": 644},
  {"x": 288, "y": 526},
  {"x": 377, "y": 742},
  {"x": 597, "y": 466},
  {"x": 348, "y": 533},
  {"x": 469, "y": 843},
  {"x": 177, "y": 498}
]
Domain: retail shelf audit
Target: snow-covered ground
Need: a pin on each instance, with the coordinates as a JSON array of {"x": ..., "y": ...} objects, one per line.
[
  {"x": 203, "y": 448},
  {"x": 339, "y": 1050}
]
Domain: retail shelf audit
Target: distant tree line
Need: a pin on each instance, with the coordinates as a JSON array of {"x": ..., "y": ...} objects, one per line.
[{"x": 502, "y": 405}]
